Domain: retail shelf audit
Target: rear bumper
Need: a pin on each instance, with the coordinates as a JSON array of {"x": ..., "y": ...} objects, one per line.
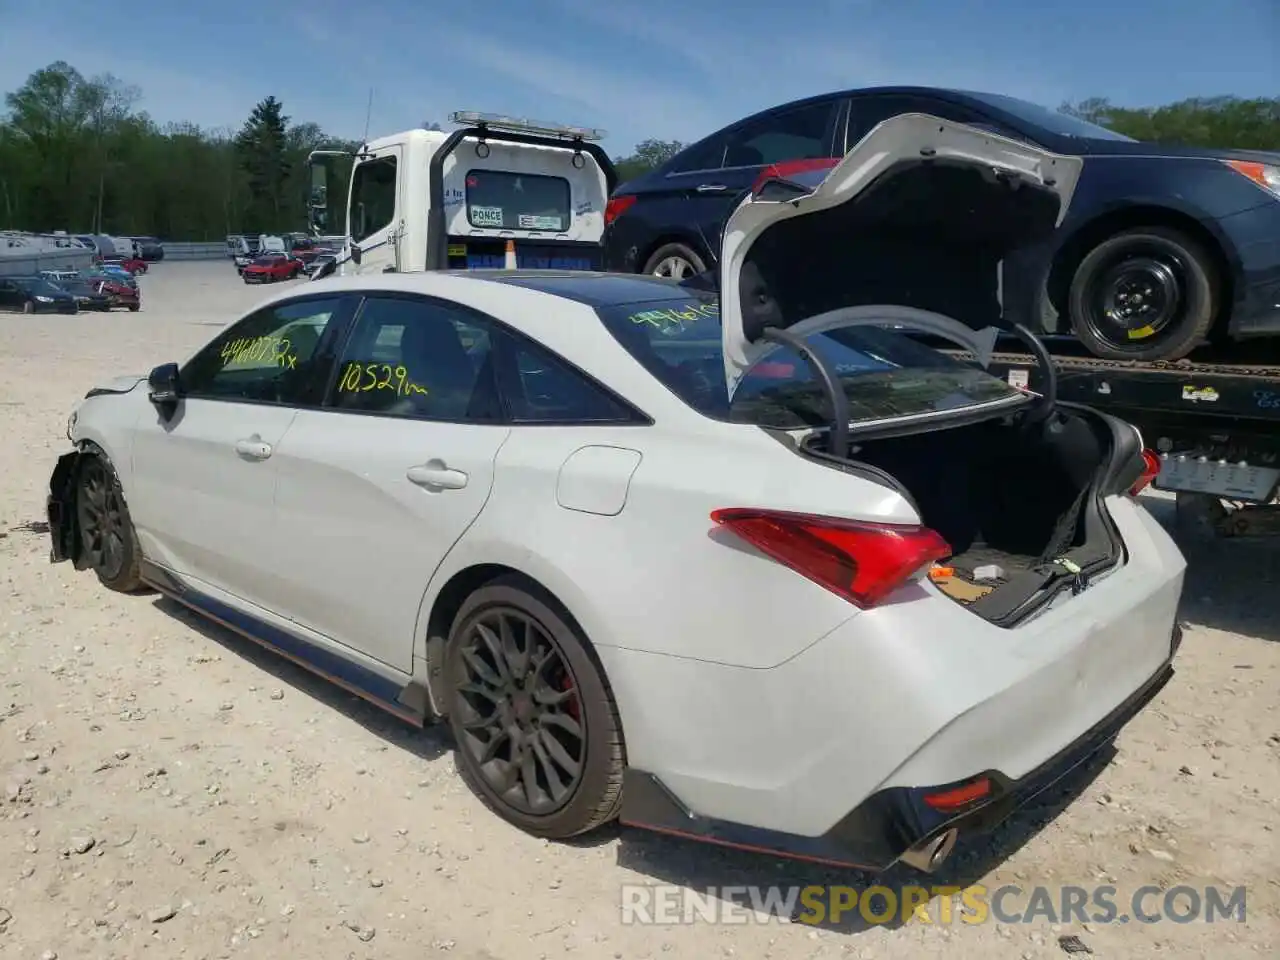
[{"x": 876, "y": 833}]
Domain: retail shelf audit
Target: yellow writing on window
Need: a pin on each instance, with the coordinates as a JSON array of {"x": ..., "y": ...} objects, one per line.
[
  {"x": 260, "y": 350},
  {"x": 365, "y": 377},
  {"x": 673, "y": 319}
]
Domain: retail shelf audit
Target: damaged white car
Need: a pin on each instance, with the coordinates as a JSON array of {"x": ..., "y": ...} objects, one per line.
[{"x": 756, "y": 566}]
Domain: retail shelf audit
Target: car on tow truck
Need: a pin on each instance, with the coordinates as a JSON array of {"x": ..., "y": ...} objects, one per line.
[{"x": 608, "y": 526}]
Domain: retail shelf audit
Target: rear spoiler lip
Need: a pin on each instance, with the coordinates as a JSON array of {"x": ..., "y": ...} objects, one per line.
[{"x": 437, "y": 238}]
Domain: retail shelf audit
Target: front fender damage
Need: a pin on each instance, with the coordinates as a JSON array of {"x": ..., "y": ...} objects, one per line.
[{"x": 64, "y": 529}]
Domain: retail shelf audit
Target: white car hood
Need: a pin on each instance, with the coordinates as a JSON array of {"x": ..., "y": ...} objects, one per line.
[{"x": 921, "y": 213}]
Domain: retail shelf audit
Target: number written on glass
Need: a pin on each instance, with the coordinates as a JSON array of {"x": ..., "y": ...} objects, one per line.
[{"x": 366, "y": 377}]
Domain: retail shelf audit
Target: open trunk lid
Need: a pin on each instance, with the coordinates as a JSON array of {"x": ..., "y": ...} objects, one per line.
[{"x": 921, "y": 213}]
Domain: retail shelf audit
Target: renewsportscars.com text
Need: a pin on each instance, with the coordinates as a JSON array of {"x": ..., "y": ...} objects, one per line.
[{"x": 670, "y": 904}]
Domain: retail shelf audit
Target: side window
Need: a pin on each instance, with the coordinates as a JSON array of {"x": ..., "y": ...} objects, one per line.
[
  {"x": 373, "y": 197},
  {"x": 542, "y": 388},
  {"x": 418, "y": 358},
  {"x": 268, "y": 357},
  {"x": 707, "y": 155},
  {"x": 803, "y": 133}
]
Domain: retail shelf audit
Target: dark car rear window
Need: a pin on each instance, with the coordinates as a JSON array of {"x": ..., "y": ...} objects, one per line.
[{"x": 886, "y": 373}]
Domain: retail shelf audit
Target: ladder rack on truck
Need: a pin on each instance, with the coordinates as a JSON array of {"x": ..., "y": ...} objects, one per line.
[{"x": 1215, "y": 426}]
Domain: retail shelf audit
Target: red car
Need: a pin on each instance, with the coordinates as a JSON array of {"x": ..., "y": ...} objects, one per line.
[
  {"x": 132, "y": 264},
  {"x": 304, "y": 250},
  {"x": 271, "y": 267},
  {"x": 120, "y": 294}
]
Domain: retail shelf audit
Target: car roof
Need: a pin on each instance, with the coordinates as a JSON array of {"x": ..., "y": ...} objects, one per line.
[
  {"x": 588, "y": 288},
  {"x": 592, "y": 289}
]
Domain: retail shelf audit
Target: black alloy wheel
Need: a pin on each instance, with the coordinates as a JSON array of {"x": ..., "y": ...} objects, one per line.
[
  {"x": 537, "y": 732},
  {"x": 107, "y": 542},
  {"x": 522, "y": 721},
  {"x": 1144, "y": 294}
]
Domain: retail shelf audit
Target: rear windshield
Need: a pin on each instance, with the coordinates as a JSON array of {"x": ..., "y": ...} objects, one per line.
[
  {"x": 517, "y": 201},
  {"x": 886, "y": 373}
]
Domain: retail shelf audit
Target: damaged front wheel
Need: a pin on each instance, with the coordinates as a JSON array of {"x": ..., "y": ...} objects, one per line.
[{"x": 108, "y": 545}]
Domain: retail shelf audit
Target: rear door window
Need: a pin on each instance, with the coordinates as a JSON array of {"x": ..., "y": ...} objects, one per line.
[
  {"x": 887, "y": 373},
  {"x": 502, "y": 200},
  {"x": 801, "y": 133}
]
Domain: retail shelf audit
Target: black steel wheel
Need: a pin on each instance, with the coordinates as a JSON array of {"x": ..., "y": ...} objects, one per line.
[
  {"x": 1144, "y": 294},
  {"x": 107, "y": 542},
  {"x": 537, "y": 731}
]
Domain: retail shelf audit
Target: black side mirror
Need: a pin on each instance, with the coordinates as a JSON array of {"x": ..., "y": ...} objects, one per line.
[
  {"x": 163, "y": 383},
  {"x": 355, "y": 253}
]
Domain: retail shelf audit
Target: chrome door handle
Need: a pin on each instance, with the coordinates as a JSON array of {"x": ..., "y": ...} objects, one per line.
[
  {"x": 253, "y": 449},
  {"x": 435, "y": 474},
  {"x": 711, "y": 188}
]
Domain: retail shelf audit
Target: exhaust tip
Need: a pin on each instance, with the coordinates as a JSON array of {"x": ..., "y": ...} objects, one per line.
[{"x": 931, "y": 854}]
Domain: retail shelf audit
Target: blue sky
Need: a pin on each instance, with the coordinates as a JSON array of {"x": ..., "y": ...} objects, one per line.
[{"x": 664, "y": 68}]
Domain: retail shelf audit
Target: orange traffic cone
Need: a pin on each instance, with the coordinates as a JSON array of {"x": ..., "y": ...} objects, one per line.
[{"x": 511, "y": 255}]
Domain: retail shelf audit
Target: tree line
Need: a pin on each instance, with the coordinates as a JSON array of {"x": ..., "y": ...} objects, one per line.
[{"x": 76, "y": 155}]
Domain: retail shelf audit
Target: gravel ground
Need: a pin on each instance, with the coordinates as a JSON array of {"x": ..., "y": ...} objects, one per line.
[{"x": 167, "y": 787}]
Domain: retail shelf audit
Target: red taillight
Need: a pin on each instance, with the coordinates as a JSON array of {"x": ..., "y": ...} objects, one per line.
[
  {"x": 1150, "y": 470},
  {"x": 617, "y": 206},
  {"x": 789, "y": 168},
  {"x": 862, "y": 562},
  {"x": 957, "y": 798}
]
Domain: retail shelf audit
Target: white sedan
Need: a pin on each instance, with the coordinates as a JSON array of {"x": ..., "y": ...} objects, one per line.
[{"x": 759, "y": 567}]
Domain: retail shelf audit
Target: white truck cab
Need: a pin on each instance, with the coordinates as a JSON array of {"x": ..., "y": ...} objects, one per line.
[{"x": 498, "y": 189}]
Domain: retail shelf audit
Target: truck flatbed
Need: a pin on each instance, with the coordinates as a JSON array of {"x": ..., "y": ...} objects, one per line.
[{"x": 1215, "y": 424}]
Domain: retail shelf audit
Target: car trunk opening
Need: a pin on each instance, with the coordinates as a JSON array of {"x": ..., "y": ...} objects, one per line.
[
  {"x": 929, "y": 235},
  {"x": 921, "y": 213},
  {"x": 1021, "y": 505}
]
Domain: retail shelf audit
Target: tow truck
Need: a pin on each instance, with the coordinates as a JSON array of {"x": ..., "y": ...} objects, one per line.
[
  {"x": 1212, "y": 419},
  {"x": 499, "y": 191}
]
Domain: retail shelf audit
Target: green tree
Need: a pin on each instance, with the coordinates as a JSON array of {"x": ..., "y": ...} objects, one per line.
[
  {"x": 263, "y": 147},
  {"x": 648, "y": 155},
  {"x": 1248, "y": 124}
]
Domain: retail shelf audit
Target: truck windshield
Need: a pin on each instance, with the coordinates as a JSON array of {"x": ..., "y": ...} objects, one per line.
[
  {"x": 503, "y": 200},
  {"x": 886, "y": 373}
]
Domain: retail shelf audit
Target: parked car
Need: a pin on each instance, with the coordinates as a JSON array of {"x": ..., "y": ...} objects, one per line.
[
  {"x": 532, "y": 452},
  {"x": 118, "y": 294},
  {"x": 35, "y": 295},
  {"x": 149, "y": 248},
  {"x": 112, "y": 271},
  {"x": 270, "y": 267},
  {"x": 1164, "y": 245},
  {"x": 317, "y": 263},
  {"x": 57, "y": 276},
  {"x": 133, "y": 264},
  {"x": 88, "y": 295}
]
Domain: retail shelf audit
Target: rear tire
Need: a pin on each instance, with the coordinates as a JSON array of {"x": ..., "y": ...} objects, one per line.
[
  {"x": 538, "y": 735},
  {"x": 108, "y": 543},
  {"x": 676, "y": 261},
  {"x": 134, "y": 307},
  {"x": 1148, "y": 293}
]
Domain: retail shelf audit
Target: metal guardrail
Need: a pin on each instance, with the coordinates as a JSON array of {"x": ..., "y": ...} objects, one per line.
[{"x": 210, "y": 250}]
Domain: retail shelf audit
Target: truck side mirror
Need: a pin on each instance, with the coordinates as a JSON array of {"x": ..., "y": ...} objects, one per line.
[{"x": 356, "y": 254}]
